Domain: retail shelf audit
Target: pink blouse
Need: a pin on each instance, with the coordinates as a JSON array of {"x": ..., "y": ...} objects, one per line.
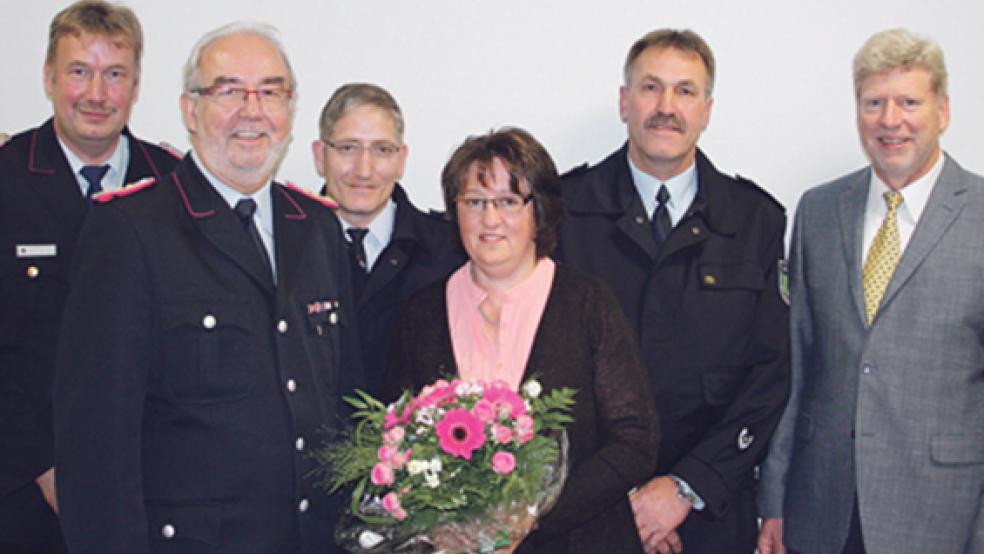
[{"x": 522, "y": 307}]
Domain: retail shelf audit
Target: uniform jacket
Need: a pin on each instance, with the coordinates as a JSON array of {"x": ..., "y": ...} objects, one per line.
[
  {"x": 893, "y": 410},
  {"x": 422, "y": 250},
  {"x": 189, "y": 389},
  {"x": 710, "y": 322},
  {"x": 583, "y": 342},
  {"x": 41, "y": 213}
]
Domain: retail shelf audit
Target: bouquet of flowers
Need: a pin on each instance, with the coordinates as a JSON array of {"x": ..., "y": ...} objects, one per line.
[{"x": 463, "y": 466}]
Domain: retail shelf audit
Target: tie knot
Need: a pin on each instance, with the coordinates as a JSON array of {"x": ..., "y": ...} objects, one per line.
[
  {"x": 663, "y": 196},
  {"x": 893, "y": 199},
  {"x": 245, "y": 209},
  {"x": 357, "y": 234},
  {"x": 94, "y": 174}
]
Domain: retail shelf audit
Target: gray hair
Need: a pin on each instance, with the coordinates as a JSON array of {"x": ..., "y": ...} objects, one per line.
[
  {"x": 355, "y": 95},
  {"x": 192, "y": 67},
  {"x": 900, "y": 49}
]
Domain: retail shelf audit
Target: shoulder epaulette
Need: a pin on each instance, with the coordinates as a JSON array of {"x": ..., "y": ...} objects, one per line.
[
  {"x": 126, "y": 190},
  {"x": 171, "y": 149},
  {"x": 577, "y": 170},
  {"x": 755, "y": 187},
  {"x": 324, "y": 200}
]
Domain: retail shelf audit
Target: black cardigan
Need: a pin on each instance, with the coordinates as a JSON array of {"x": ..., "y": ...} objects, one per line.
[{"x": 584, "y": 342}]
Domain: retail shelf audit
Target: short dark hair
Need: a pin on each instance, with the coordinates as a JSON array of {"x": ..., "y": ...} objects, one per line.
[
  {"x": 525, "y": 159},
  {"x": 97, "y": 17},
  {"x": 684, "y": 41}
]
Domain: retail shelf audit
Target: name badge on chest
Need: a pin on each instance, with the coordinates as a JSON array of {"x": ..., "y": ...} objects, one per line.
[{"x": 36, "y": 250}]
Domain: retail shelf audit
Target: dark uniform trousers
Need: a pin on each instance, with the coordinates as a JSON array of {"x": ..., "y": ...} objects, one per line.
[
  {"x": 191, "y": 389},
  {"x": 711, "y": 325},
  {"x": 41, "y": 213}
]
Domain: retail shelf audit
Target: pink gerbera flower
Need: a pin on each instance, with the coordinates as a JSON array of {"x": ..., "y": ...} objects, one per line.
[
  {"x": 460, "y": 433},
  {"x": 504, "y": 399}
]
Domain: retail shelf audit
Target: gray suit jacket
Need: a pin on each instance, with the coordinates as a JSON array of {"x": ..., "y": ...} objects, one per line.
[{"x": 894, "y": 411}]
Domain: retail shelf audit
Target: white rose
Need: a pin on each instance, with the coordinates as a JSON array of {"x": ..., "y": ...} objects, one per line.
[
  {"x": 435, "y": 465},
  {"x": 532, "y": 388}
]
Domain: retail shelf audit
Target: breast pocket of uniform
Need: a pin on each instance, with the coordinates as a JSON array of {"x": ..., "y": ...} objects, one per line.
[
  {"x": 33, "y": 294},
  {"x": 208, "y": 353}
]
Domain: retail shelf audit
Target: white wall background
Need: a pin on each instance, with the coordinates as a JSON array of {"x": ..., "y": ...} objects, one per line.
[{"x": 783, "y": 112}]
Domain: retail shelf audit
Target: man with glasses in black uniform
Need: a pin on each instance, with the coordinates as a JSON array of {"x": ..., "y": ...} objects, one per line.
[
  {"x": 395, "y": 248},
  {"x": 186, "y": 407}
]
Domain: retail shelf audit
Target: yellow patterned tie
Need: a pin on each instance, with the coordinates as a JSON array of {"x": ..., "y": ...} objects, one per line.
[{"x": 883, "y": 256}]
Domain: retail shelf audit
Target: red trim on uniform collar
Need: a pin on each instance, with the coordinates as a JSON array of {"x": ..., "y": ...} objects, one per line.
[
  {"x": 30, "y": 157},
  {"x": 187, "y": 203},
  {"x": 300, "y": 211}
]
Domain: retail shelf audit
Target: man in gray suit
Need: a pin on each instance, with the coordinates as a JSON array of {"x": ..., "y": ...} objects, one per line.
[{"x": 881, "y": 448}]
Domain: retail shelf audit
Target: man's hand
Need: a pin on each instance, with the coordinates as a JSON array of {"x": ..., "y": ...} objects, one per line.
[
  {"x": 770, "y": 537},
  {"x": 658, "y": 511},
  {"x": 46, "y": 481}
]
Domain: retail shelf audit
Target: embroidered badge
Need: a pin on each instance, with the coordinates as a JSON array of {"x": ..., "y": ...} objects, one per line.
[{"x": 784, "y": 281}]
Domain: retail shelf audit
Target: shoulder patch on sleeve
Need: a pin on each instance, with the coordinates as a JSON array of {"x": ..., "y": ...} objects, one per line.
[
  {"x": 171, "y": 149},
  {"x": 127, "y": 190},
  {"x": 324, "y": 200}
]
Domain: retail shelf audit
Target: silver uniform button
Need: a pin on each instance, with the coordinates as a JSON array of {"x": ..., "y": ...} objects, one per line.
[
  {"x": 168, "y": 531},
  {"x": 302, "y": 506},
  {"x": 333, "y": 318},
  {"x": 209, "y": 321},
  {"x": 745, "y": 439},
  {"x": 299, "y": 444},
  {"x": 282, "y": 326},
  {"x": 291, "y": 385}
]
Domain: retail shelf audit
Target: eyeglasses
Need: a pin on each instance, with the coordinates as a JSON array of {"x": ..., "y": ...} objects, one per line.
[
  {"x": 508, "y": 204},
  {"x": 352, "y": 149},
  {"x": 232, "y": 96}
]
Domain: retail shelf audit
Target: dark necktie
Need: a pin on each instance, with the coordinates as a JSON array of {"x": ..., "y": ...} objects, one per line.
[
  {"x": 94, "y": 175},
  {"x": 245, "y": 209},
  {"x": 357, "y": 251},
  {"x": 661, "y": 217}
]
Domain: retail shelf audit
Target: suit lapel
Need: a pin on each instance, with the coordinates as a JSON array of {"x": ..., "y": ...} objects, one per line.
[
  {"x": 218, "y": 224},
  {"x": 55, "y": 184},
  {"x": 944, "y": 205},
  {"x": 140, "y": 165},
  {"x": 292, "y": 232},
  {"x": 850, "y": 210}
]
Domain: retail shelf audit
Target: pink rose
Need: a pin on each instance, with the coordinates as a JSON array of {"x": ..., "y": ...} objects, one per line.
[
  {"x": 501, "y": 433},
  {"x": 484, "y": 410},
  {"x": 506, "y": 402},
  {"x": 397, "y": 460},
  {"x": 524, "y": 429},
  {"x": 394, "y": 436},
  {"x": 391, "y": 503},
  {"x": 503, "y": 462},
  {"x": 386, "y": 452},
  {"x": 382, "y": 474}
]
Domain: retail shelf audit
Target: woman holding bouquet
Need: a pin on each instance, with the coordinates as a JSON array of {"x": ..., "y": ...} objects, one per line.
[{"x": 511, "y": 313}]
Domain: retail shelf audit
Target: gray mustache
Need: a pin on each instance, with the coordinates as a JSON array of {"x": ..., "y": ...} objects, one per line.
[{"x": 666, "y": 120}]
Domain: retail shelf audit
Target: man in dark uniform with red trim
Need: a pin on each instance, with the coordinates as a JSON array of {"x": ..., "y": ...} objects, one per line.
[
  {"x": 47, "y": 178},
  {"x": 187, "y": 407},
  {"x": 694, "y": 257}
]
